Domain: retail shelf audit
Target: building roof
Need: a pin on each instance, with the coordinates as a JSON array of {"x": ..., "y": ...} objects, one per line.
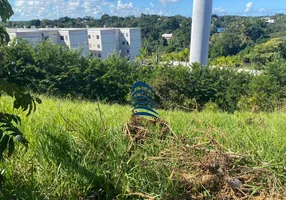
[
  {"x": 14, "y": 30},
  {"x": 167, "y": 35},
  {"x": 110, "y": 28}
]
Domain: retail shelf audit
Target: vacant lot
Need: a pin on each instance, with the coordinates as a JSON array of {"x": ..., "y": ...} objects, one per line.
[{"x": 86, "y": 150}]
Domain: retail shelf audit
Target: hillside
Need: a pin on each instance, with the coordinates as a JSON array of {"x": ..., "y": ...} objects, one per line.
[{"x": 79, "y": 151}]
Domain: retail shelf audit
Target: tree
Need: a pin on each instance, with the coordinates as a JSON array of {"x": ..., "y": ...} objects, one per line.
[
  {"x": 226, "y": 44},
  {"x": 35, "y": 22},
  {"x": 266, "y": 52},
  {"x": 8, "y": 122}
]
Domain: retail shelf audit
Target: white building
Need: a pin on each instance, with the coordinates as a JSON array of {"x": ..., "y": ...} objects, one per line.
[
  {"x": 130, "y": 42},
  {"x": 269, "y": 20},
  {"x": 167, "y": 36},
  {"x": 104, "y": 41},
  {"x": 100, "y": 42},
  {"x": 73, "y": 38}
]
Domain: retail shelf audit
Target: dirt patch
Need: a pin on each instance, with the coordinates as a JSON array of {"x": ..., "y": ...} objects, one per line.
[
  {"x": 203, "y": 167},
  {"x": 138, "y": 129},
  {"x": 206, "y": 170}
]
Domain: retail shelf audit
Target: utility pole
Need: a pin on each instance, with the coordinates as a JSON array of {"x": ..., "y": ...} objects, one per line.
[{"x": 201, "y": 27}]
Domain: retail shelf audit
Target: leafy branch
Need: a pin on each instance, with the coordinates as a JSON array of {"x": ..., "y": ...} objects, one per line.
[
  {"x": 8, "y": 122},
  {"x": 22, "y": 100},
  {"x": 8, "y": 131}
]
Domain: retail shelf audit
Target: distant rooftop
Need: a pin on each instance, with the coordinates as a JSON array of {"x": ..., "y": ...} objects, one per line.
[{"x": 11, "y": 30}]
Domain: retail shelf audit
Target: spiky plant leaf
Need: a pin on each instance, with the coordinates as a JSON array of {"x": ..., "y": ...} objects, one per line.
[
  {"x": 143, "y": 100},
  {"x": 144, "y": 114},
  {"x": 142, "y": 103},
  {"x": 141, "y": 92},
  {"x": 142, "y": 84},
  {"x": 146, "y": 108}
]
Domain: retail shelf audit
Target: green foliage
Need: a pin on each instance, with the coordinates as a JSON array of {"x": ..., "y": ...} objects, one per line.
[
  {"x": 182, "y": 55},
  {"x": 8, "y": 132},
  {"x": 71, "y": 156},
  {"x": 226, "y": 44},
  {"x": 5, "y": 13},
  {"x": 266, "y": 52},
  {"x": 179, "y": 86},
  {"x": 56, "y": 70},
  {"x": 4, "y": 37},
  {"x": 228, "y": 61},
  {"x": 267, "y": 92},
  {"x": 8, "y": 122},
  {"x": 211, "y": 107},
  {"x": 22, "y": 100}
]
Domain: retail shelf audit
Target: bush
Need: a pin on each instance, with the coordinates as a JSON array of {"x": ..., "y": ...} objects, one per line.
[{"x": 56, "y": 70}]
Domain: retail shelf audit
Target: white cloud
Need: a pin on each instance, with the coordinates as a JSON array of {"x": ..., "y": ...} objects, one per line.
[
  {"x": 127, "y": 9},
  {"x": 219, "y": 10},
  {"x": 53, "y": 9},
  {"x": 19, "y": 3},
  {"x": 165, "y": 2},
  {"x": 249, "y": 7}
]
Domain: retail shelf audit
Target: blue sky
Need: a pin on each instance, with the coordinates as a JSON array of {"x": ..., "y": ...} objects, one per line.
[{"x": 51, "y": 9}]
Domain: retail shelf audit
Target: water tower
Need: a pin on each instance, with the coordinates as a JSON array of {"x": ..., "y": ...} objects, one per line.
[{"x": 201, "y": 27}]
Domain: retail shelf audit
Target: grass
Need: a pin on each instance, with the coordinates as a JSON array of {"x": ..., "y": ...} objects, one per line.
[{"x": 76, "y": 154}]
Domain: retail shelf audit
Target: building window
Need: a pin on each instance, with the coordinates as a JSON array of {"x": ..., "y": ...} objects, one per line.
[
  {"x": 127, "y": 43},
  {"x": 99, "y": 55},
  {"x": 97, "y": 37},
  {"x": 62, "y": 37},
  {"x": 66, "y": 38},
  {"x": 89, "y": 36},
  {"x": 123, "y": 42},
  {"x": 127, "y": 50},
  {"x": 126, "y": 34},
  {"x": 98, "y": 46}
]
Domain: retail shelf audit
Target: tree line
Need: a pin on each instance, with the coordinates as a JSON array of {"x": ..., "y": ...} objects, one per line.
[{"x": 55, "y": 70}]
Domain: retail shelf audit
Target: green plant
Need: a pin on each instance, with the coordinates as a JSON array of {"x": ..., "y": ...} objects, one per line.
[
  {"x": 8, "y": 122},
  {"x": 5, "y": 13}
]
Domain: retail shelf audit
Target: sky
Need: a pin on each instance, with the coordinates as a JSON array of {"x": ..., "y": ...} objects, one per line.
[{"x": 53, "y": 9}]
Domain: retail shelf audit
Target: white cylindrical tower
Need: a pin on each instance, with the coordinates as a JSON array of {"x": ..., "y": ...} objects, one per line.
[{"x": 201, "y": 24}]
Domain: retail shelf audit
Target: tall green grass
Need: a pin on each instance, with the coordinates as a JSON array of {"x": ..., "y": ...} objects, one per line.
[{"x": 77, "y": 151}]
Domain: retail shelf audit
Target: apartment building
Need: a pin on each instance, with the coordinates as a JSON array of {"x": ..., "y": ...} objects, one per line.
[
  {"x": 99, "y": 42},
  {"x": 73, "y": 38},
  {"x": 104, "y": 41},
  {"x": 130, "y": 42}
]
